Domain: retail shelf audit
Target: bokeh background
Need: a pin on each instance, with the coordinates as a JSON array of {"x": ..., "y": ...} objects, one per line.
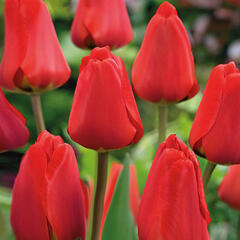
[{"x": 214, "y": 31}]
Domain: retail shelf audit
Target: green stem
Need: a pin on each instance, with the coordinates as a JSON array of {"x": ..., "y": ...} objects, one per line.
[
  {"x": 207, "y": 173},
  {"x": 37, "y": 110},
  {"x": 238, "y": 228},
  {"x": 100, "y": 193},
  {"x": 162, "y": 122}
]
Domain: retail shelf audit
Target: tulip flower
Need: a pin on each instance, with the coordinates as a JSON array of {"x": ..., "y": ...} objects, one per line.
[
  {"x": 104, "y": 113},
  {"x": 101, "y": 23},
  {"x": 215, "y": 129},
  {"x": 229, "y": 190},
  {"x": 173, "y": 204},
  {"x": 134, "y": 196},
  {"x": 33, "y": 60},
  {"x": 13, "y": 130},
  {"x": 47, "y": 196},
  {"x": 163, "y": 70}
]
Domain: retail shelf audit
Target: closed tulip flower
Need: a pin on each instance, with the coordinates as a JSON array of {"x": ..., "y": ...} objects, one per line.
[
  {"x": 13, "y": 130},
  {"x": 163, "y": 71},
  {"x": 215, "y": 129},
  {"x": 33, "y": 60},
  {"x": 104, "y": 113},
  {"x": 229, "y": 189},
  {"x": 98, "y": 23},
  {"x": 47, "y": 198},
  {"x": 173, "y": 204}
]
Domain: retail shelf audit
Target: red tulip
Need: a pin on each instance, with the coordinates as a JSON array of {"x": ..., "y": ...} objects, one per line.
[
  {"x": 13, "y": 130},
  {"x": 163, "y": 70},
  {"x": 229, "y": 190},
  {"x": 215, "y": 129},
  {"x": 173, "y": 204},
  {"x": 98, "y": 23},
  {"x": 47, "y": 196},
  {"x": 104, "y": 113},
  {"x": 134, "y": 196},
  {"x": 33, "y": 60}
]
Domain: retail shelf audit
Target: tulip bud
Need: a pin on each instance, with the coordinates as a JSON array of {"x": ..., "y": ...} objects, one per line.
[
  {"x": 47, "y": 196},
  {"x": 13, "y": 130},
  {"x": 229, "y": 190},
  {"x": 98, "y": 23},
  {"x": 33, "y": 60},
  {"x": 215, "y": 129},
  {"x": 134, "y": 196},
  {"x": 173, "y": 204},
  {"x": 163, "y": 70},
  {"x": 104, "y": 113}
]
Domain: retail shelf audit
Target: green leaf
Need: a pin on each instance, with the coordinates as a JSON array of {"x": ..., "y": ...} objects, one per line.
[{"x": 119, "y": 223}]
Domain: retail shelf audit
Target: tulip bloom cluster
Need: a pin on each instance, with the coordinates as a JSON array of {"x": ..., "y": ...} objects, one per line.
[{"x": 49, "y": 199}]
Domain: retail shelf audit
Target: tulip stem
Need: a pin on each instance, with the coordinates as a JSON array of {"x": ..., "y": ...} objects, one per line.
[
  {"x": 37, "y": 110},
  {"x": 100, "y": 193},
  {"x": 162, "y": 122},
  {"x": 238, "y": 228},
  {"x": 207, "y": 173}
]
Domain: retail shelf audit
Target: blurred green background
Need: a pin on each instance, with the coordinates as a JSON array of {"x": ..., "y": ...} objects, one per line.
[{"x": 214, "y": 30}]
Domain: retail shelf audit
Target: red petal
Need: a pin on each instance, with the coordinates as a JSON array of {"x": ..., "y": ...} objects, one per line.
[
  {"x": 131, "y": 105},
  {"x": 13, "y": 130},
  {"x": 49, "y": 142},
  {"x": 64, "y": 196},
  {"x": 86, "y": 199},
  {"x": 116, "y": 168},
  {"x": 14, "y": 44},
  {"x": 28, "y": 218},
  {"x": 134, "y": 195},
  {"x": 229, "y": 190}
]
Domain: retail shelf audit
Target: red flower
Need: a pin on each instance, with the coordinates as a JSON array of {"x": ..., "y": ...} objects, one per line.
[
  {"x": 104, "y": 114},
  {"x": 13, "y": 130},
  {"x": 47, "y": 196},
  {"x": 215, "y": 128},
  {"x": 100, "y": 23},
  {"x": 33, "y": 60},
  {"x": 229, "y": 190},
  {"x": 134, "y": 196},
  {"x": 163, "y": 70},
  {"x": 173, "y": 204}
]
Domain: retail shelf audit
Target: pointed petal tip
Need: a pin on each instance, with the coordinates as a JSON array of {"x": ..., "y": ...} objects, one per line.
[{"x": 166, "y": 10}]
